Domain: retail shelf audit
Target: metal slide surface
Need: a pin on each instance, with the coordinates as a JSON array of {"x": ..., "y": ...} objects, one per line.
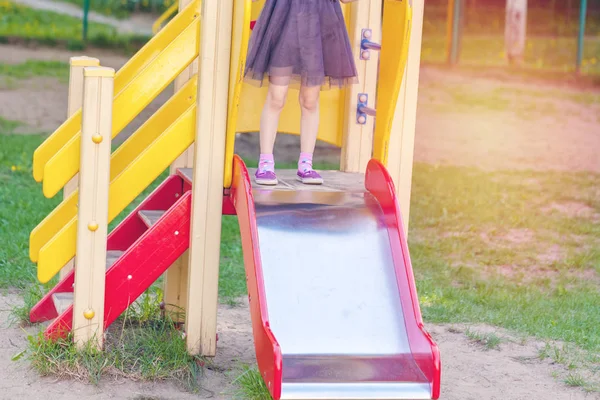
[{"x": 333, "y": 300}]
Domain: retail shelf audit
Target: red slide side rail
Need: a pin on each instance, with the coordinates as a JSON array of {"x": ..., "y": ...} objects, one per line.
[
  {"x": 268, "y": 352},
  {"x": 148, "y": 258},
  {"x": 422, "y": 346},
  {"x": 127, "y": 232}
]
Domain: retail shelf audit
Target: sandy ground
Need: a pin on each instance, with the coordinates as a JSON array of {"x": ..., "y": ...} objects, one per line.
[
  {"x": 512, "y": 372},
  {"x": 526, "y": 125}
]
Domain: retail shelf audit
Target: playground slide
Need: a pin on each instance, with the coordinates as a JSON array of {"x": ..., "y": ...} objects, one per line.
[{"x": 334, "y": 307}]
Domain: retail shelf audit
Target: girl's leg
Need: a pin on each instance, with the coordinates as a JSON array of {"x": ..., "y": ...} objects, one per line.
[
  {"x": 309, "y": 126},
  {"x": 269, "y": 121}
]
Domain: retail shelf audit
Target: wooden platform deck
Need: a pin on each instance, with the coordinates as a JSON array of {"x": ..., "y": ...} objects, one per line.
[{"x": 334, "y": 181}]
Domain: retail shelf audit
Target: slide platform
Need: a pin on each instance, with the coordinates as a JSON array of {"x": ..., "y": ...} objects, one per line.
[{"x": 334, "y": 307}]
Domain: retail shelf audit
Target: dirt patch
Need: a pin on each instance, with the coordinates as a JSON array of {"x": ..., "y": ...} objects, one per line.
[
  {"x": 513, "y": 371},
  {"x": 11, "y": 54},
  {"x": 469, "y": 371},
  {"x": 35, "y": 102}
]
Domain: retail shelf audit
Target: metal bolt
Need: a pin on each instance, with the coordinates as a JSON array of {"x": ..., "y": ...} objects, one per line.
[
  {"x": 176, "y": 233},
  {"x": 97, "y": 139},
  {"x": 362, "y": 119},
  {"x": 93, "y": 226},
  {"x": 129, "y": 277}
]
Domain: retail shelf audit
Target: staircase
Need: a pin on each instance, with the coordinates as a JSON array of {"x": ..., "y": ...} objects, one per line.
[
  {"x": 140, "y": 249},
  {"x": 152, "y": 237}
]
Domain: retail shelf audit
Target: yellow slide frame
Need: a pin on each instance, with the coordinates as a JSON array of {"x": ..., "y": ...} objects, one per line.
[{"x": 397, "y": 18}]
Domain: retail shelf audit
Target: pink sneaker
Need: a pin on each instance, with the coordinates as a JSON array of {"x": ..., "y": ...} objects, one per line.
[
  {"x": 310, "y": 177},
  {"x": 265, "y": 178}
]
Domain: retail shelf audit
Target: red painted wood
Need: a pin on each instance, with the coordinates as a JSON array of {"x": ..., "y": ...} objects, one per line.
[
  {"x": 252, "y": 23},
  {"x": 228, "y": 208},
  {"x": 268, "y": 352},
  {"x": 423, "y": 348},
  {"x": 127, "y": 232},
  {"x": 148, "y": 258},
  {"x": 44, "y": 310},
  {"x": 162, "y": 198}
]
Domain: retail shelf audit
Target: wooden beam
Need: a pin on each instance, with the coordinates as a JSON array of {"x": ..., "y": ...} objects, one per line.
[
  {"x": 402, "y": 140},
  {"x": 175, "y": 279},
  {"x": 92, "y": 225},
  {"x": 207, "y": 188},
  {"x": 75, "y": 101},
  {"x": 186, "y": 160},
  {"x": 358, "y": 139}
]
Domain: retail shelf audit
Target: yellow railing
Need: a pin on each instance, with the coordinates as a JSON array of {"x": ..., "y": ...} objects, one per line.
[
  {"x": 141, "y": 158},
  {"x": 56, "y": 161}
]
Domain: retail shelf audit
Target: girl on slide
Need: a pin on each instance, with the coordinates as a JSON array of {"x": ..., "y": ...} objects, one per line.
[{"x": 298, "y": 42}]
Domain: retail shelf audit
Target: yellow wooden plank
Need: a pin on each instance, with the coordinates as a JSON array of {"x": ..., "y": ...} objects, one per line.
[
  {"x": 131, "y": 69},
  {"x": 392, "y": 64},
  {"x": 123, "y": 190},
  {"x": 253, "y": 98},
  {"x": 121, "y": 158},
  {"x": 154, "y": 126},
  {"x": 128, "y": 104}
]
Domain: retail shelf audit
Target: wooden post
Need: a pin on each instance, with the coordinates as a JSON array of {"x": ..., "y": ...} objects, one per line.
[
  {"x": 515, "y": 29},
  {"x": 358, "y": 139},
  {"x": 92, "y": 225},
  {"x": 175, "y": 279},
  {"x": 402, "y": 140},
  {"x": 207, "y": 189},
  {"x": 75, "y": 101}
]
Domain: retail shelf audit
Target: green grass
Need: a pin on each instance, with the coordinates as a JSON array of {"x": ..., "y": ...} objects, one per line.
[
  {"x": 581, "y": 369},
  {"x": 155, "y": 350},
  {"x": 251, "y": 386},
  {"x": 31, "y": 68},
  {"x": 20, "y": 23},
  {"x": 488, "y": 340},
  {"x": 124, "y": 8},
  {"x": 11, "y": 73},
  {"x": 22, "y": 207},
  {"x": 7, "y": 126}
]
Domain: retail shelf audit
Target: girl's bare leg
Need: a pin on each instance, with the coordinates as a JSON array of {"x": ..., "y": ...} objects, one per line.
[
  {"x": 269, "y": 121},
  {"x": 309, "y": 126}
]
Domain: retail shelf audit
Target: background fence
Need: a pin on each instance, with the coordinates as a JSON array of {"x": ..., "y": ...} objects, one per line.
[{"x": 552, "y": 29}]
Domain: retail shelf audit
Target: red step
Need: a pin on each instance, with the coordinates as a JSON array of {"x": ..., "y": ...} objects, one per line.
[
  {"x": 139, "y": 266},
  {"x": 121, "y": 238}
]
